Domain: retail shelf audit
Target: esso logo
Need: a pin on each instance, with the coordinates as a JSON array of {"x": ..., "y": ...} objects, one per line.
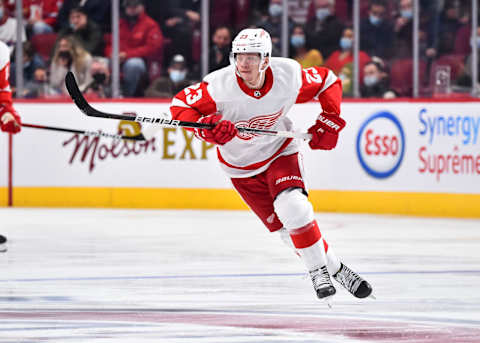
[{"x": 381, "y": 145}]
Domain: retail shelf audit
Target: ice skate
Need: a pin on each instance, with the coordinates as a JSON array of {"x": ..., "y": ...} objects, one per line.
[
  {"x": 322, "y": 284},
  {"x": 3, "y": 243},
  {"x": 353, "y": 282}
]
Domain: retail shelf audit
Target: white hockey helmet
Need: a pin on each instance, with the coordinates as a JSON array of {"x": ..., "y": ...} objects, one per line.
[{"x": 251, "y": 41}]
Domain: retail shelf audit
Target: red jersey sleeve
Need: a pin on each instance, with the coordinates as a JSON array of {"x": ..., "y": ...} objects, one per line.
[
  {"x": 5, "y": 91},
  {"x": 192, "y": 103},
  {"x": 322, "y": 84}
]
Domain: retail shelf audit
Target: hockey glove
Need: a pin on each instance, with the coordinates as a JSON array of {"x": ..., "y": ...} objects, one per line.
[
  {"x": 325, "y": 131},
  {"x": 9, "y": 119},
  {"x": 223, "y": 132}
]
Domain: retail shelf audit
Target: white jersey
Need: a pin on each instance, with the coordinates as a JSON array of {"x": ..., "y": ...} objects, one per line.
[{"x": 286, "y": 83}]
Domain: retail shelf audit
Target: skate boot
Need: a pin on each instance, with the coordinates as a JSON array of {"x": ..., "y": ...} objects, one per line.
[
  {"x": 322, "y": 283},
  {"x": 3, "y": 243},
  {"x": 353, "y": 282}
]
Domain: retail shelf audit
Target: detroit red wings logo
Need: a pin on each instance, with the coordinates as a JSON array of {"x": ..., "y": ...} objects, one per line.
[{"x": 266, "y": 121}]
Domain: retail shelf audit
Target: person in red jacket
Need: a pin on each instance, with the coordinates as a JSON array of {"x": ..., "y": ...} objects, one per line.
[
  {"x": 41, "y": 15},
  {"x": 140, "y": 40}
]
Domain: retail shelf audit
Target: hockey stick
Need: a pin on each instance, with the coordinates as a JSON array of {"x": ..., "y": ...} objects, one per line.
[
  {"x": 85, "y": 107},
  {"x": 86, "y": 133}
]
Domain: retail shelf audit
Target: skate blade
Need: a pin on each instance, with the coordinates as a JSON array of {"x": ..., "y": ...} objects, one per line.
[{"x": 372, "y": 296}]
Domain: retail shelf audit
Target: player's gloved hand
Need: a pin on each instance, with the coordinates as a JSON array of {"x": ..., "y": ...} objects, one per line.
[
  {"x": 9, "y": 119},
  {"x": 325, "y": 131},
  {"x": 223, "y": 132}
]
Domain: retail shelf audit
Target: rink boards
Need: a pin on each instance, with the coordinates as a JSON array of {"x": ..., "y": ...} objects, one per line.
[{"x": 406, "y": 157}]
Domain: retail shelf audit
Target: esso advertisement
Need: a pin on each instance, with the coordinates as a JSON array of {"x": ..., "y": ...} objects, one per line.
[
  {"x": 449, "y": 143},
  {"x": 381, "y": 145}
]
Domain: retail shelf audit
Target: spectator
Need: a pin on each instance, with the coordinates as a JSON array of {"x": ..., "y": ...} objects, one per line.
[
  {"x": 220, "y": 49},
  {"x": 299, "y": 52},
  {"x": 403, "y": 30},
  {"x": 97, "y": 11},
  {"x": 272, "y": 23},
  {"x": 181, "y": 20},
  {"x": 100, "y": 87},
  {"x": 376, "y": 81},
  {"x": 8, "y": 27},
  {"x": 298, "y": 10},
  {"x": 41, "y": 15},
  {"x": 141, "y": 39},
  {"x": 167, "y": 87},
  {"x": 69, "y": 55},
  {"x": 324, "y": 30},
  {"x": 39, "y": 87},
  {"x": 376, "y": 31},
  {"x": 230, "y": 13},
  {"x": 85, "y": 31},
  {"x": 339, "y": 58},
  {"x": 442, "y": 34},
  {"x": 31, "y": 62}
]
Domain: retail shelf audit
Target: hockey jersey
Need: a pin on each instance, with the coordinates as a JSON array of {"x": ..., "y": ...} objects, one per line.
[
  {"x": 5, "y": 91},
  {"x": 223, "y": 91}
]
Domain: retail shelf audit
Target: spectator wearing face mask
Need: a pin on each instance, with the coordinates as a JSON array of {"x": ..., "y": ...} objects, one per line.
[
  {"x": 272, "y": 23},
  {"x": 140, "y": 40},
  {"x": 100, "y": 87},
  {"x": 85, "y": 31},
  {"x": 39, "y": 87},
  {"x": 300, "y": 53},
  {"x": 375, "y": 83},
  {"x": 69, "y": 55},
  {"x": 168, "y": 86},
  {"x": 324, "y": 29},
  {"x": 343, "y": 56},
  {"x": 376, "y": 31},
  {"x": 403, "y": 29},
  {"x": 220, "y": 48}
]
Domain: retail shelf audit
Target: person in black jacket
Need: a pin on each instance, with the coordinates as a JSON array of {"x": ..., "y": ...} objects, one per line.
[
  {"x": 84, "y": 30},
  {"x": 376, "y": 83},
  {"x": 324, "y": 31},
  {"x": 376, "y": 31},
  {"x": 98, "y": 11}
]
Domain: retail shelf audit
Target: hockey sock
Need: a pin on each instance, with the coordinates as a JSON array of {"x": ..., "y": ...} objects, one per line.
[{"x": 307, "y": 240}]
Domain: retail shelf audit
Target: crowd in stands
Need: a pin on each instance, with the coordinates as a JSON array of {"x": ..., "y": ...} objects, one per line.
[{"x": 160, "y": 42}]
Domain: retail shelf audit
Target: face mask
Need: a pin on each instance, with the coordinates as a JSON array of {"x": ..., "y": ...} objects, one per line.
[
  {"x": 297, "y": 40},
  {"x": 370, "y": 80},
  {"x": 99, "y": 77},
  {"x": 346, "y": 43},
  {"x": 65, "y": 54},
  {"x": 374, "y": 20},
  {"x": 177, "y": 75},
  {"x": 132, "y": 18},
  {"x": 2, "y": 12},
  {"x": 322, "y": 13},
  {"x": 72, "y": 26},
  {"x": 408, "y": 14},
  {"x": 275, "y": 10}
]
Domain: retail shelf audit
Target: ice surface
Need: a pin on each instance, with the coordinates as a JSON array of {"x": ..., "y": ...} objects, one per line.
[{"x": 219, "y": 276}]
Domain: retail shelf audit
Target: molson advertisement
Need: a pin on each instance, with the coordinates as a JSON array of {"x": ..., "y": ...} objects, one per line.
[{"x": 396, "y": 156}]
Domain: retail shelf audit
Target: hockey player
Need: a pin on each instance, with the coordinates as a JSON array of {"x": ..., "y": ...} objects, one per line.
[
  {"x": 257, "y": 91},
  {"x": 9, "y": 119}
]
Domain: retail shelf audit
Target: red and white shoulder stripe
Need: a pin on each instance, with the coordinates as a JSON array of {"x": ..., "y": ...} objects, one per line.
[
  {"x": 192, "y": 103},
  {"x": 315, "y": 80}
]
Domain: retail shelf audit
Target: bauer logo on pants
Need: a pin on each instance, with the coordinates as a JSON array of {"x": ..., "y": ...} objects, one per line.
[{"x": 381, "y": 145}]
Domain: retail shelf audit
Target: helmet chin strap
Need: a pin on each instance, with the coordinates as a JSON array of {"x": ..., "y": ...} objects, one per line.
[{"x": 260, "y": 75}]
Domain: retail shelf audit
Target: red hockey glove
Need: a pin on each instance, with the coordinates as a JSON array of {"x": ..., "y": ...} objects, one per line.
[
  {"x": 9, "y": 119},
  {"x": 223, "y": 132},
  {"x": 325, "y": 131}
]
